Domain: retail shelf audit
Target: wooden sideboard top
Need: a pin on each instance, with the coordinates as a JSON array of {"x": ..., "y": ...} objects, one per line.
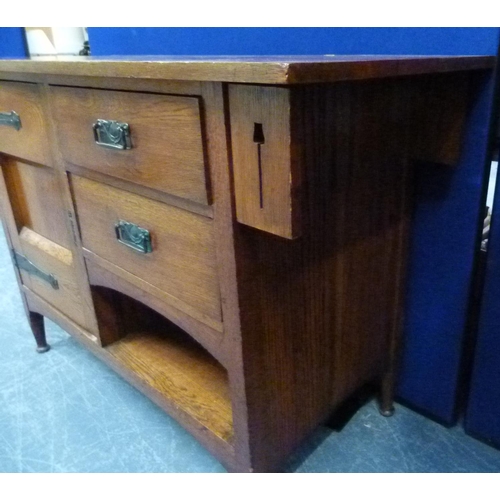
[{"x": 246, "y": 69}]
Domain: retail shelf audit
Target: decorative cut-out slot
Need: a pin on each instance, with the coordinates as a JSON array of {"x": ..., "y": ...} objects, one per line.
[{"x": 259, "y": 139}]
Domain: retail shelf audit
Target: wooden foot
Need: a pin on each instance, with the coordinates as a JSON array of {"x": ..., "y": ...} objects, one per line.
[
  {"x": 386, "y": 397},
  {"x": 387, "y": 412},
  {"x": 38, "y": 329}
]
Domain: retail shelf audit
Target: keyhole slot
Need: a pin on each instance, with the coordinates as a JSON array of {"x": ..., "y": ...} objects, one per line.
[{"x": 259, "y": 139}]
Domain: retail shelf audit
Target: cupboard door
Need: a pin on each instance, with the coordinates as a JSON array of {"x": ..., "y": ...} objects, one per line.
[{"x": 34, "y": 213}]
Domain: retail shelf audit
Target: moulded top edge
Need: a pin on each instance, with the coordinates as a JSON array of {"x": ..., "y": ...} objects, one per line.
[{"x": 246, "y": 69}]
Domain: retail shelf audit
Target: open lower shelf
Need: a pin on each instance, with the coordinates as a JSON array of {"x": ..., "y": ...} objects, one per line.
[
  {"x": 168, "y": 361},
  {"x": 188, "y": 377}
]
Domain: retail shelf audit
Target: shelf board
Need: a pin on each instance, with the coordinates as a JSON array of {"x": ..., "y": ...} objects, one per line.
[{"x": 178, "y": 368}]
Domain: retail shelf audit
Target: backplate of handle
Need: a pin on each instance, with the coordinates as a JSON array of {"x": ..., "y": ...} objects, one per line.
[
  {"x": 112, "y": 134},
  {"x": 133, "y": 236},
  {"x": 10, "y": 119}
]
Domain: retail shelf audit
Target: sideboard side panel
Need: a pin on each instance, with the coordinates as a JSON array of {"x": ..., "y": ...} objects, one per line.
[{"x": 319, "y": 313}]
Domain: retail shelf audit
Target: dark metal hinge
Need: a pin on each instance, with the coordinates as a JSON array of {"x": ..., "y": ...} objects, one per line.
[{"x": 21, "y": 262}]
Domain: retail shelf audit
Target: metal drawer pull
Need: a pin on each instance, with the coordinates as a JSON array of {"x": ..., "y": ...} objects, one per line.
[
  {"x": 133, "y": 236},
  {"x": 11, "y": 119},
  {"x": 111, "y": 134},
  {"x": 23, "y": 263}
]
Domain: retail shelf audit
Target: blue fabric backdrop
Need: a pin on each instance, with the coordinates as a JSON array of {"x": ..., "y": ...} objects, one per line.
[
  {"x": 12, "y": 43},
  {"x": 266, "y": 41},
  {"x": 483, "y": 410}
]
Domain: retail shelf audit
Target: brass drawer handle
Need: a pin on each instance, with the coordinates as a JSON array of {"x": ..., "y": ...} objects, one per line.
[
  {"x": 133, "y": 236},
  {"x": 21, "y": 262},
  {"x": 112, "y": 134},
  {"x": 11, "y": 119}
]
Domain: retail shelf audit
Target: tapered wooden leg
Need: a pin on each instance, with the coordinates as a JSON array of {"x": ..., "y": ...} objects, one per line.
[
  {"x": 38, "y": 329},
  {"x": 386, "y": 396}
]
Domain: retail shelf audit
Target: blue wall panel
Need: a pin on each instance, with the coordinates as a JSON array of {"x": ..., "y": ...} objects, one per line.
[
  {"x": 444, "y": 244},
  {"x": 12, "y": 43},
  {"x": 483, "y": 411},
  {"x": 282, "y": 41},
  {"x": 448, "y": 200}
]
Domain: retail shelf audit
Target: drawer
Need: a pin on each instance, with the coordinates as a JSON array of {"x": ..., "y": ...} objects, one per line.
[
  {"x": 49, "y": 271},
  {"x": 23, "y": 131},
  {"x": 181, "y": 263},
  {"x": 163, "y": 134}
]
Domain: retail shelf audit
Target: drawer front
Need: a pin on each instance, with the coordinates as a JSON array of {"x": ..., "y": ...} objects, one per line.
[
  {"x": 163, "y": 133},
  {"x": 180, "y": 259},
  {"x": 23, "y": 130},
  {"x": 49, "y": 272}
]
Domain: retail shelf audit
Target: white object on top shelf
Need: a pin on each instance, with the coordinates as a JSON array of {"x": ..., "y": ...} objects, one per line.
[{"x": 55, "y": 41}]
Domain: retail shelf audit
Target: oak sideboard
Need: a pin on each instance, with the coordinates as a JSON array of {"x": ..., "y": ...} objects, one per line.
[{"x": 228, "y": 234}]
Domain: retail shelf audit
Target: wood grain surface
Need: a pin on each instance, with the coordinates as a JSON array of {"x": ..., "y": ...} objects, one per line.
[
  {"x": 266, "y": 175},
  {"x": 221, "y": 448},
  {"x": 35, "y": 196},
  {"x": 441, "y": 115},
  {"x": 31, "y": 141},
  {"x": 318, "y": 314},
  {"x": 102, "y": 276},
  {"x": 279, "y": 218},
  {"x": 167, "y": 148},
  {"x": 241, "y": 69},
  {"x": 171, "y": 363},
  {"x": 54, "y": 259},
  {"x": 182, "y": 262},
  {"x": 36, "y": 219}
]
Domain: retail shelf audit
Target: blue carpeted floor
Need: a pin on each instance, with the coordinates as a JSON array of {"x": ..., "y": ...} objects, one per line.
[{"x": 65, "y": 411}]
